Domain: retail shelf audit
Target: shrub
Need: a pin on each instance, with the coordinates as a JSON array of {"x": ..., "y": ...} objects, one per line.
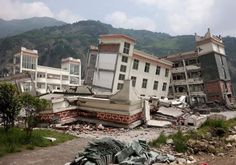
[
  {"x": 180, "y": 141},
  {"x": 216, "y": 127}
]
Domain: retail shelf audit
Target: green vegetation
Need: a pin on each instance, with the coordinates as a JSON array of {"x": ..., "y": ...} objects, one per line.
[
  {"x": 211, "y": 128},
  {"x": 159, "y": 141},
  {"x": 180, "y": 141},
  {"x": 9, "y": 104},
  {"x": 16, "y": 139},
  {"x": 32, "y": 106}
]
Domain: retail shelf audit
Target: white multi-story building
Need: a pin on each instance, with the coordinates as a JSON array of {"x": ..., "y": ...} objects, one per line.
[
  {"x": 116, "y": 60},
  {"x": 47, "y": 78}
]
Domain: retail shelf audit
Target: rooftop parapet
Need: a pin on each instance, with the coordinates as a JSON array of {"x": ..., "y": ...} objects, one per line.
[{"x": 208, "y": 35}]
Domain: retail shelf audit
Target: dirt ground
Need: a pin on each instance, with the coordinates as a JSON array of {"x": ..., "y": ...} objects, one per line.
[
  {"x": 55, "y": 155},
  {"x": 227, "y": 159}
]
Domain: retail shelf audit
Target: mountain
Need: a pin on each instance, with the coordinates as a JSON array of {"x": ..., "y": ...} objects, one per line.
[
  {"x": 54, "y": 43},
  {"x": 14, "y": 27}
]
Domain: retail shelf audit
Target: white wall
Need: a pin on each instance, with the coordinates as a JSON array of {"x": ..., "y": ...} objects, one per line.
[
  {"x": 106, "y": 61},
  {"x": 103, "y": 79},
  {"x": 140, "y": 75}
]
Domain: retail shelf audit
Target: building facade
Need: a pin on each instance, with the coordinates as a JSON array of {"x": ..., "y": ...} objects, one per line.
[
  {"x": 47, "y": 78},
  {"x": 116, "y": 60},
  {"x": 202, "y": 74}
]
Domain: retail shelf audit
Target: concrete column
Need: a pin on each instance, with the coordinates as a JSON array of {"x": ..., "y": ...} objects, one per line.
[{"x": 186, "y": 75}]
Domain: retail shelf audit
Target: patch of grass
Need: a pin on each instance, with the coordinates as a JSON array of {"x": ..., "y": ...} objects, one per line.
[
  {"x": 215, "y": 127},
  {"x": 16, "y": 139},
  {"x": 215, "y": 124},
  {"x": 159, "y": 141},
  {"x": 180, "y": 141}
]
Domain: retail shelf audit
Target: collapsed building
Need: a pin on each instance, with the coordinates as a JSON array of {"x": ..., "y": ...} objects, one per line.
[
  {"x": 123, "y": 77},
  {"x": 115, "y": 60},
  {"x": 122, "y": 109},
  {"x": 203, "y": 74}
]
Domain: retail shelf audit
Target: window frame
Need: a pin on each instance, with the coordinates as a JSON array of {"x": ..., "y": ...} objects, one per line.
[
  {"x": 144, "y": 83},
  {"x": 135, "y": 64},
  {"x": 147, "y": 67}
]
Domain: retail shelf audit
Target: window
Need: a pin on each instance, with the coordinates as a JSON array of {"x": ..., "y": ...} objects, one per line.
[
  {"x": 144, "y": 84},
  {"x": 133, "y": 80},
  {"x": 225, "y": 76},
  {"x": 123, "y": 68},
  {"x": 155, "y": 85},
  {"x": 221, "y": 60},
  {"x": 164, "y": 86},
  {"x": 119, "y": 86},
  {"x": 167, "y": 72},
  {"x": 74, "y": 69},
  {"x": 158, "y": 69},
  {"x": 93, "y": 59},
  {"x": 126, "y": 48},
  {"x": 124, "y": 59},
  {"x": 28, "y": 62},
  {"x": 135, "y": 64},
  {"x": 121, "y": 76},
  {"x": 147, "y": 66}
]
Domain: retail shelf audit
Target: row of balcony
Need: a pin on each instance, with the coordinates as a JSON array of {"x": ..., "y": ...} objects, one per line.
[
  {"x": 188, "y": 81},
  {"x": 189, "y": 67}
]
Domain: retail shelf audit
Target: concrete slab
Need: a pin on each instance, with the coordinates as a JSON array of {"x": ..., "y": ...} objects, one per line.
[
  {"x": 170, "y": 111},
  {"x": 158, "y": 123},
  {"x": 227, "y": 114}
]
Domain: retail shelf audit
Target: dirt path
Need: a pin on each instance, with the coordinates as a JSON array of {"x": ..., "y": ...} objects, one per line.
[
  {"x": 226, "y": 159},
  {"x": 56, "y": 155}
]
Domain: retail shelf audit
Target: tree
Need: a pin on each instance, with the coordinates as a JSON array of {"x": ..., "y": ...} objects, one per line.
[
  {"x": 32, "y": 106},
  {"x": 9, "y": 104}
]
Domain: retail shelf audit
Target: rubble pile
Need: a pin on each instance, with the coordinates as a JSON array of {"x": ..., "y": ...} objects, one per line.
[
  {"x": 209, "y": 107},
  {"x": 110, "y": 151}
]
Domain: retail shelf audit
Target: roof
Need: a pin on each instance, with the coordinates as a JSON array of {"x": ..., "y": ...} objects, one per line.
[
  {"x": 152, "y": 57},
  {"x": 183, "y": 55},
  {"x": 107, "y": 36}
]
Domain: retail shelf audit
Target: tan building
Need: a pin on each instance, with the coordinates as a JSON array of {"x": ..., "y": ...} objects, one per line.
[{"x": 116, "y": 59}]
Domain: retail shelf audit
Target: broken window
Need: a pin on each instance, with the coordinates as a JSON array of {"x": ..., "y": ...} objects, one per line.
[
  {"x": 93, "y": 59},
  {"x": 126, "y": 48},
  {"x": 158, "y": 69},
  {"x": 124, "y": 59},
  {"x": 164, "y": 86},
  {"x": 225, "y": 76},
  {"x": 178, "y": 76},
  {"x": 121, "y": 76},
  {"x": 144, "y": 84},
  {"x": 133, "y": 80},
  {"x": 178, "y": 64},
  {"x": 155, "y": 85},
  {"x": 123, "y": 68},
  {"x": 135, "y": 64},
  {"x": 147, "y": 66},
  {"x": 167, "y": 72},
  {"x": 119, "y": 86},
  {"x": 221, "y": 60},
  {"x": 225, "y": 86},
  {"x": 191, "y": 62}
]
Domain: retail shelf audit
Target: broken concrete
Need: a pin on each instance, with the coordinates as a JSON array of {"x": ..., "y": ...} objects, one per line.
[{"x": 109, "y": 151}]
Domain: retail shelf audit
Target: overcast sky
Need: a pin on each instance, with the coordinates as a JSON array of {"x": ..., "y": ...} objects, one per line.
[{"x": 175, "y": 17}]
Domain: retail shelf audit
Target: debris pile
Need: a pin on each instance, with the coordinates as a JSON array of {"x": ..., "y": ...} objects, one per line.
[{"x": 110, "y": 151}]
